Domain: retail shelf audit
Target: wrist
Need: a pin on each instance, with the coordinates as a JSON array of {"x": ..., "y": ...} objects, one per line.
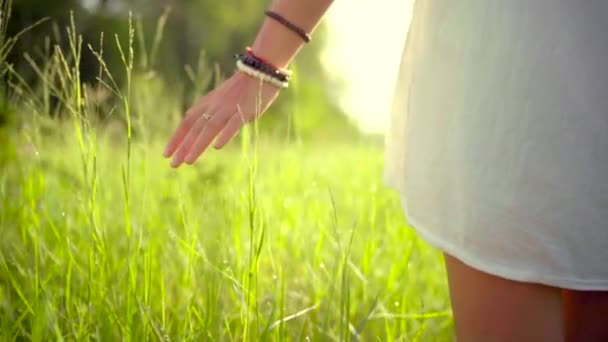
[
  {"x": 288, "y": 25},
  {"x": 276, "y": 44}
]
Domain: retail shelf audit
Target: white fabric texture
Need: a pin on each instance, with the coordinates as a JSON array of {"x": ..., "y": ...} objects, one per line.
[{"x": 499, "y": 136}]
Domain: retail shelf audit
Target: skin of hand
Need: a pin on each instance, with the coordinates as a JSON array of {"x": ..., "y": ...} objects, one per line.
[{"x": 218, "y": 116}]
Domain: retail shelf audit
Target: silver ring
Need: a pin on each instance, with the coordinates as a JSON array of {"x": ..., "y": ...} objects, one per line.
[{"x": 207, "y": 117}]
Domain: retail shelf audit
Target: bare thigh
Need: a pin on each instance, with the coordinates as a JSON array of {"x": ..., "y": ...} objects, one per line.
[
  {"x": 585, "y": 315},
  {"x": 490, "y": 308}
]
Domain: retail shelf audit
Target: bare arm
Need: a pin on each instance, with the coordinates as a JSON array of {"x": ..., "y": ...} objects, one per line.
[
  {"x": 277, "y": 43},
  {"x": 219, "y": 115}
]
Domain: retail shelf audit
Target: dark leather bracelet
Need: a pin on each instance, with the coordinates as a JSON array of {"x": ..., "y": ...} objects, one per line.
[{"x": 296, "y": 29}]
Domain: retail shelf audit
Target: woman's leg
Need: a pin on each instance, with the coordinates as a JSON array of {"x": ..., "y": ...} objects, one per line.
[
  {"x": 489, "y": 308},
  {"x": 585, "y": 315}
]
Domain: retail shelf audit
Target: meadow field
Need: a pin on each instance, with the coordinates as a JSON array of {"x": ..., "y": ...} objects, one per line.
[{"x": 274, "y": 238}]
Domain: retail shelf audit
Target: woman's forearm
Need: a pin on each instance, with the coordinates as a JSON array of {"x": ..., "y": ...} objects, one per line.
[{"x": 278, "y": 44}]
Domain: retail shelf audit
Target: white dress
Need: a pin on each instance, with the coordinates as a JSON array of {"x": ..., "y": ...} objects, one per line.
[{"x": 499, "y": 138}]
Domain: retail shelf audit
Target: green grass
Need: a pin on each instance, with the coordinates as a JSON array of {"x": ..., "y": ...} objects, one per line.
[
  {"x": 308, "y": 246},
  {"x": 271, "y": 239}
]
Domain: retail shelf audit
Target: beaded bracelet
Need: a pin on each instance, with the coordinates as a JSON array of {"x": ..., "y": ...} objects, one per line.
[
  {"x": 253, "y": 62},
  {"x": 254, "y": 55},
  {"x": 260, "y": 75},
  {"x": 259, "y": 68}
]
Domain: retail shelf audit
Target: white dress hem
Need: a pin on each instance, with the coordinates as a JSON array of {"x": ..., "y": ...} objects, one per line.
[{"x": 495, "y": 268}]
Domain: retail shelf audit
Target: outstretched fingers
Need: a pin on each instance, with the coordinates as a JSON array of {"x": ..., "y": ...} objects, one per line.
[
  {"x": 192, "y": 115},
  {"x": 230, "y": 130},
  {"x": 188, "y": 141},
  {"x": 181, "y": 133},
  {"x": 209, "y": 132}
]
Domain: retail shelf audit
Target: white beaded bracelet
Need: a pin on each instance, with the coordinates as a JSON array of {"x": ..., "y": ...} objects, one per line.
[{"x": 260, "y": 75}]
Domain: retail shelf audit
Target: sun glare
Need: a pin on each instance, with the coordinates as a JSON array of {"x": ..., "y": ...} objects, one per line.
[{"x": 366, "y": 41}]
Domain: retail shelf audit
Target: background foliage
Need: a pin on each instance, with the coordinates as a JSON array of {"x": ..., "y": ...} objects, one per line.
[
  {"x": 277, "y": 237},
  {"x": 187, "y": 45}
]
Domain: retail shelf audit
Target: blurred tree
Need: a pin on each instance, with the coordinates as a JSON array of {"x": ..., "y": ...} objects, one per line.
[{"x": 220, "y": 28}]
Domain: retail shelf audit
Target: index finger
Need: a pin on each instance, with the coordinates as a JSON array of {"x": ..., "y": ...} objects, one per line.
[{"x": 180, "y": 133}]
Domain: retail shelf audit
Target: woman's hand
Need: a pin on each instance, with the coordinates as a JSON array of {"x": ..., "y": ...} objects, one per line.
[{"x": 219, "y": 116}]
